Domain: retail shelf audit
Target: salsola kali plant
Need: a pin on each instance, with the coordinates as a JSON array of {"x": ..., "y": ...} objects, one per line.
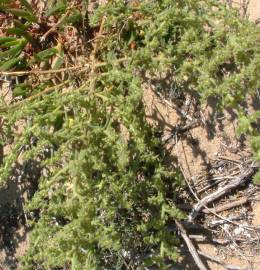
[{"x": 105, "y": 200}]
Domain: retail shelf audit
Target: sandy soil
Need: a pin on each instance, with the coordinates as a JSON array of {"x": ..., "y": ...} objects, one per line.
[{"x": 254, "y": 10}]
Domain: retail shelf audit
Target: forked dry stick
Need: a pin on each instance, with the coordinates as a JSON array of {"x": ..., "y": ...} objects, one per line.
[
  {"x": 237, "y": 181},
  {"x": 248, "y": 227}
]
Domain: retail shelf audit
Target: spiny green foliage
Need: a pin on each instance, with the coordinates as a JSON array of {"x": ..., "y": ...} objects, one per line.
[
  {"x": 249, "y": 124},
  {"x": 105, "y": 199},
  {"x": 207, "y": 47},
  {"x": 106, "y": 194}
]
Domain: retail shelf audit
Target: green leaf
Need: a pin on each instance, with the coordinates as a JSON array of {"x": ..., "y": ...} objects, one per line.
[
  {"x": 6, "y": 2},
  {"x": 21, "y": 90},
  {"x": 46, "y": 54},
  {"x": 27, "y": 6},
  {"x": 74, "y": 19},
  {"x": 13, "y": 52},
  {"x": 58, "y": 121},
  {"x": 20, "y": 32},
  {"x": 9, "y": 63},
  {"x": 7, "y": 39},
  {"x": 58, "y": 61},
  {"x": 256, "y": 178},
  {"x": 59, "y": 8},
  {"x": 10, "y": 43},
  {"x": 244, "y": 125},
  {"x": 24, "y": 14},
  {"x": 20, "y": 25}
]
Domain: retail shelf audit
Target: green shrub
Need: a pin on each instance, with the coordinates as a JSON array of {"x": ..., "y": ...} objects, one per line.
[{"x": 107, "y": 192}]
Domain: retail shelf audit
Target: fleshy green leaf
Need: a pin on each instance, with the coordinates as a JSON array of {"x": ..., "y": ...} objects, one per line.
[
  {"x": 24, "y": 14},
  {"x": 21, "y": 90},
  {"x": 13, "y": 52},
  {"x": 59, "y": 8},
  {"x": 20, "y": 32},
  {"x": 9, "y": 64},
  {"x": 27, "y": 6},
  {"x": 20, "y": 25},
  {"x": 10, "y": 43},
  {"x": 256, "y": 178},
  {"x": 46, "y": 54},
  {"x": 7, "y": 39},
  {"x": 58, "y": 61}
]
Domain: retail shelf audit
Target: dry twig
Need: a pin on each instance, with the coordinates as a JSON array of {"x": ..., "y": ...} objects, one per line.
[
  {"x": 55, "y": 26},
  {"x": 43, "y": 72},
  {"x": 227, "y": 206},
  {"x": 218, "y": 222},
  {"x": 190, "y": 246},
  {"x": 249, "y": 228},
  {"x": 220, "y": 192}
]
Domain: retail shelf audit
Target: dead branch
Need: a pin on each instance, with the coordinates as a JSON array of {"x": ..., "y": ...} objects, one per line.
[
  {"x": 203, "y": 238},
  {"x": 226, "y": 206},
  {"x": 205, "y": 188},
  {"x": 190, "y": 246},
  {"x": 247, "y": 227},
  {"x": 237, "y": 181},
  {"x": 232, "y": 160},
  {"x": 214, "y": 223}
]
